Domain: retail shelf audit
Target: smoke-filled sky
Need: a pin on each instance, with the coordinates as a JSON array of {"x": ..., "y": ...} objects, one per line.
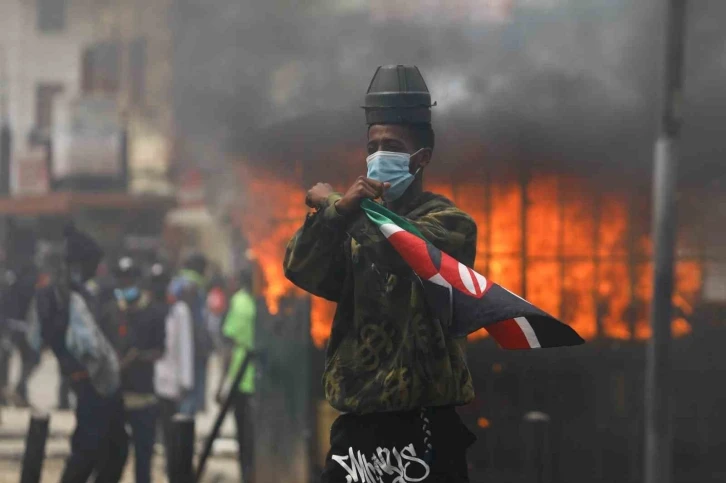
[{"x": 572, "y": 80}]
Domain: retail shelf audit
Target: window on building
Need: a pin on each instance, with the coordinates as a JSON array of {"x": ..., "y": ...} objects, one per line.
[
  {"x": 44, "y": 95},
  {"x": 137, "y": 71},
  {"x": 100, "y": 68},
  {"x": 714, "y": 283},
  {"x": 51, "y": 15}
]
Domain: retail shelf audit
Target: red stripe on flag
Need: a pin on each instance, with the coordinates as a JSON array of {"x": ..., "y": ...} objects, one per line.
[
  {"x": 508, "y": 334},
  {"x": 414, "y": 250}
]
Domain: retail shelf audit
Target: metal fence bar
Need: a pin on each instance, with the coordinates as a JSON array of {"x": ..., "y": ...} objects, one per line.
[
  {"x": 538, "y": 460},
  {"x": 658, "y": 463},
  {"x": 182, "y": 457},
  {"x": 220, "y": 417},
  {"x": 35, "y": 448}
]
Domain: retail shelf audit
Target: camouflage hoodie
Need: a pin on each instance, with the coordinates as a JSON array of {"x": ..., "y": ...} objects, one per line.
[{"x": 386, "y": 352}]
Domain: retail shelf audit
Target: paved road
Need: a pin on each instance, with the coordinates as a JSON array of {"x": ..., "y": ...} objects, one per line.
[{"x": 43, "y": 393}]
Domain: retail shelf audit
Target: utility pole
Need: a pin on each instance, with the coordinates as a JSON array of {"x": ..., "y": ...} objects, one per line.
[
  {"x": 658, "y": 467},
  {"x": 4, "y": 126},
  {"x": 5, "y": 150}
]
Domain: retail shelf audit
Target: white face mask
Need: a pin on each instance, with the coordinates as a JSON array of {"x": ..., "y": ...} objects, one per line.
[{"x": 393, "y": 168}]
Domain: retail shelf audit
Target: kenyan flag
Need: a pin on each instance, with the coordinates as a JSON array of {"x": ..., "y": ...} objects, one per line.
[{"x": 464, "y": 300}]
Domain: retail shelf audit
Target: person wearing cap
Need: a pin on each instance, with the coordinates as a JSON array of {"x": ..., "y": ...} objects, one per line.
[
  {"x": 63, "y": 316},
  {"x": 391, "y": 367},
  {"x": 14, "y": 303},
  {"x": 140, "y": 337}
]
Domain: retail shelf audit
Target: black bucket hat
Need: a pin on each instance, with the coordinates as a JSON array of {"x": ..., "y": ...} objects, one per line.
[{"x": 398, "y": 94}]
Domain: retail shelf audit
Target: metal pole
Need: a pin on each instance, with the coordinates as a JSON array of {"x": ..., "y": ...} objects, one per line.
[
  {"x": 35, "y": 448},
  {"x": 124, "y": 155},
  {"x": 658, "y": 433},
  {"x": 182, "y": 467},
  {"x": 538, "y": 464},
  {"x": 5, "y": 150},
  {"x": 5, "y": 136},
  {"x": 5, "y": 140},
  {"x": 524, "y": 199},
  {"x": 220, "y": 417},
  {"x": 596, "y": 259},
  {"x": 5, "y": 145}
]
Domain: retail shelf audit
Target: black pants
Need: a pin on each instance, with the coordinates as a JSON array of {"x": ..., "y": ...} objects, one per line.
[
  {"x": 245, "y": 436},
  {"x": 99, "y": 443},
  {"x": 64, "y": 392},
  {"x": 425, "y": 445},
  {"x": 5, "y": 353},
  {"x": 143, "y": 435},
  {"x": 29, "y": 361},
  {"x": 167, "y": 409}
]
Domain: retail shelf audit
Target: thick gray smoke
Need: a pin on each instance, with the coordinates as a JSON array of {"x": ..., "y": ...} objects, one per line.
[{"x": 569, "y": 80}]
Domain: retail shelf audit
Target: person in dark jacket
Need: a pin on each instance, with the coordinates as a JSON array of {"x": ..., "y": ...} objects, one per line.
[
  {"x": 19, "y": 296},
  {"x": 158, "y": 283},
  {"x": 391, "y": 366},
  {"x": 64, "y": 317},
  {"x": 140, "y": 325},
  {"x": 239, "y": 328}
]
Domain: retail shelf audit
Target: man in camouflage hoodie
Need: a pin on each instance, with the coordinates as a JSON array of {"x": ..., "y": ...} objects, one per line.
[{"x": 391, "y": 367}]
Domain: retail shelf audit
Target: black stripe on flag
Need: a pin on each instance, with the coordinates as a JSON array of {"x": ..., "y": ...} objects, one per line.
[
  {"x": 470, "y": 314},
  {"x": 553, "y": 333}
]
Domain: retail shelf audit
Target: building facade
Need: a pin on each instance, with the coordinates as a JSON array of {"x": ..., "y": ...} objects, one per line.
[
  {"x": 54, "y": 51},
  {"x": 65, "y": 63}
]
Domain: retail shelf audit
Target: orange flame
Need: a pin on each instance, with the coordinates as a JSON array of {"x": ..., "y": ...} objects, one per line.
[
  {"x": 577, "y": 257},
  {"x": 273, "y": 210},
  {"x": 321, "y": 320}
]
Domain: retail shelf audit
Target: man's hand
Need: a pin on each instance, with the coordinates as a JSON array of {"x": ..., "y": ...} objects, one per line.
[
  {"x": 130, "y": 357},
  {"x": 151, "y": 355},
  {"x": 318, "y": 194},
  {"x": 363, "y": 188}
]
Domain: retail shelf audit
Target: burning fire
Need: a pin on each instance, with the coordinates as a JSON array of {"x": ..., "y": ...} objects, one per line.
[
  {"x": 272, "y": 211},
  {"x": 578, "y": 264},
  {"x": 321, "y": 320}
]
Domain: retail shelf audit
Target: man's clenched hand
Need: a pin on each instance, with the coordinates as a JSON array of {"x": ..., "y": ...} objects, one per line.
[
  {"x": 363, "y": 188},
  {"x": 318, "y": 194}
]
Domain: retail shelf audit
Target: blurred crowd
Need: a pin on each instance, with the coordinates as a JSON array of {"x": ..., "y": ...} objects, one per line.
[{"x": 133, "y": 340}]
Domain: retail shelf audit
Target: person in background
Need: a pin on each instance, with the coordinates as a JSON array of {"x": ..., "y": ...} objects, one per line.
[
  {"x": 195, "y": 293},
  {"x": 158, "y": 283},
  {"x": 62, "y": 317},
  {"x": 216, "y": 309},
  {"x": 6, "y": 347},
  {"x": 19, "y": 296},
  {"x": 140, "y": 342},
  {"x": 51, "y": 270},
  {"x": 239, "y": 327},
  {"x": 174, "y": 372}
]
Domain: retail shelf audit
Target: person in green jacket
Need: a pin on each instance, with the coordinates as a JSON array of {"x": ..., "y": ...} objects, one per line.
[{"x": 239, "y": 327}]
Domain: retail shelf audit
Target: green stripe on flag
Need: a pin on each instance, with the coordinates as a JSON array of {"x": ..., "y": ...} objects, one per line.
[{"x": 381, "y": 215}]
